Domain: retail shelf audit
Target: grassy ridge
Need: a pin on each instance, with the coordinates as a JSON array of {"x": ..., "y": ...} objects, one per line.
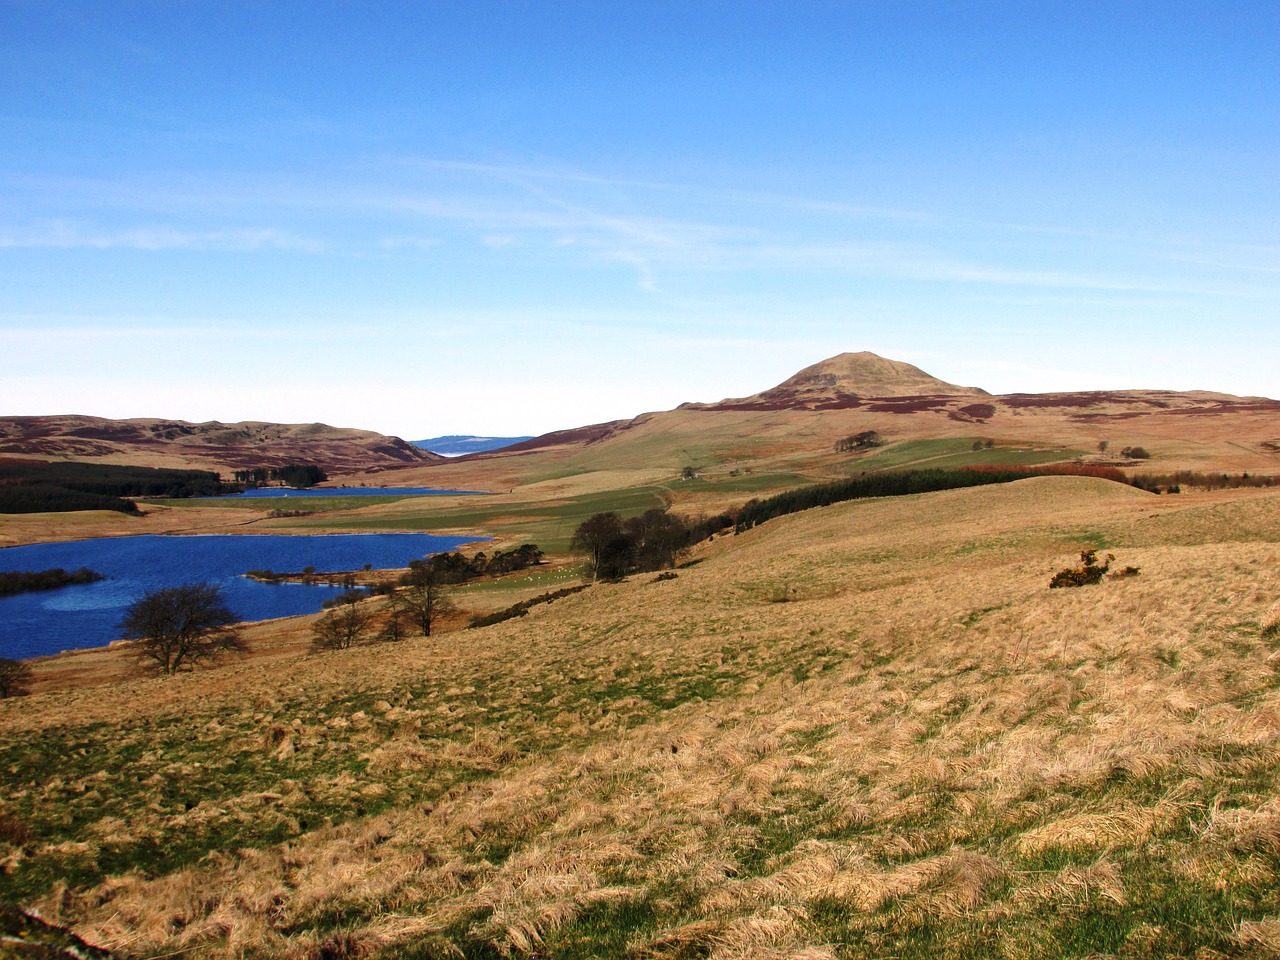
[{"x": 898, "y": 483}]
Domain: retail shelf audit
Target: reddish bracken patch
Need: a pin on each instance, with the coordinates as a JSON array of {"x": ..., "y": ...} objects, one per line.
[
  {"x": 907, "y": 404},
  {"x": 126, "y": 433},
  {"x": 1035, "y": 400},
  {"x": 1105, "y": 417},
  {"x": 1253, "y": 406}
]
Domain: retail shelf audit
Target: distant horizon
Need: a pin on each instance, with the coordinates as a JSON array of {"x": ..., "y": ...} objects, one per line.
[
  {"x": 536, "y": 216},
  {"x": 515, "y": 438}
]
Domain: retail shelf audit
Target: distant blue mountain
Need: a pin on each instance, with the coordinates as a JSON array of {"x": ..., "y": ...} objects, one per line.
[{"x": 456, "y": 446}]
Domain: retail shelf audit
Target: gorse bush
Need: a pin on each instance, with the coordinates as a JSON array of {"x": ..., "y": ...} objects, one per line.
[{"x": 1089, "y": 571}]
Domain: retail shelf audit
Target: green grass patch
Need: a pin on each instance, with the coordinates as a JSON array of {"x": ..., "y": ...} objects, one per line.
[
  {"x": 953, "y": 453},
  {"x": 743, "y": 483},
  {"x": 309, "y": 503},
  {"x": 531, "y": 579},
  {"x": 549, "y": 523}
]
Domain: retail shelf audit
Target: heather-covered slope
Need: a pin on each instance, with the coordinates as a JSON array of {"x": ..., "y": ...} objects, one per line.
[
  {"x": 862, "y": 731},
  {"x": 219, "y": 446}
]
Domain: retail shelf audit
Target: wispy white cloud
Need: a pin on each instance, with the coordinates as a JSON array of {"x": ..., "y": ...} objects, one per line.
[
  {"x": 65, "y": 234},
  {"x": 662, "y": 231}
]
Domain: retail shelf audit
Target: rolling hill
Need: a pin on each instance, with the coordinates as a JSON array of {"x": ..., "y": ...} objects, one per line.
[
  {"x": 223, "y": 447},
  {"x": 792, "y": 429}
]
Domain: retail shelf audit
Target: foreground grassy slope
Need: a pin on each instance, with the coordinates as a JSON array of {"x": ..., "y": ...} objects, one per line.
[{"x": 866, "y": 730}]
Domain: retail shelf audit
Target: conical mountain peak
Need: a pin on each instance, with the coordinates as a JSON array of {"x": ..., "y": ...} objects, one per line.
[{"x": 864, "y": 374}]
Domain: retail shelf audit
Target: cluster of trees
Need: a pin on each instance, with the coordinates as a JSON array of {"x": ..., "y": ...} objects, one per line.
[
  {"x": 414, "y": 606},
  {"x": 16, "y": 582},
  {"x": 456, "y": 568},
  {"x": 418, "y": 600},
  {"x": 176, "y": 628},
  {"x": 652, "y": 541},
  {"x": 299, "y": 475},
  {"x": 35, "y": 487},
  {"x": 860, "y": 441},
  {"x": 1128, "y": 453}
]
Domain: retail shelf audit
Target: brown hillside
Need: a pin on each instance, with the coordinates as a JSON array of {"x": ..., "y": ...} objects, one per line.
[
  {"x": 858, "y": 732},
  {"x": 216, "y": 446}
]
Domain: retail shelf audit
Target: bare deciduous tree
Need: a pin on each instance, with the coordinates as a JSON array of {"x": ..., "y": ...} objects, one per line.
[
  {"x": 424, "y": 598},
  {"x": 177, "y": 627},
  {"x": 342, "y": 627},
  {"x": 15, "y": 678}
]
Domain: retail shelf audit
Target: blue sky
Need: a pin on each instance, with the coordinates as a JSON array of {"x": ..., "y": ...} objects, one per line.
[{"x": 429, "y": 218}]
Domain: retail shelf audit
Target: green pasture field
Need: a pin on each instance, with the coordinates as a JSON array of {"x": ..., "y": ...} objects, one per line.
[
  {"x": 952, "y": 453},
  {"x": 549, "y": 524},
  {"x": 310, "y": 504},
  {"x": 745, "y": 483}
]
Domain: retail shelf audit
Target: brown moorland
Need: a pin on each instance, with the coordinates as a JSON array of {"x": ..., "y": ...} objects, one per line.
[{"x": 222, "y": 447}]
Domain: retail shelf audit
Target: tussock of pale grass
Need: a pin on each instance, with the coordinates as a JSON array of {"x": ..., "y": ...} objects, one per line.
[
  {"x": 1259, "y": 937},
  {"x": 1075, "y": 888}
]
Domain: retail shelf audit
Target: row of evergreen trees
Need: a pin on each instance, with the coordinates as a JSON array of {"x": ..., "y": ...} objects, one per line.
[
  {"x": 38, "y": 487},
  {"x": 298, "y": 475}
]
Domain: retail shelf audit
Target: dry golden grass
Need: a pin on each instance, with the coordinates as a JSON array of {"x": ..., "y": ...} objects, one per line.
[{"x": 865, "y": 730}]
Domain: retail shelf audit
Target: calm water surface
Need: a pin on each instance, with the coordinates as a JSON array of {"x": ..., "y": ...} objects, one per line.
[{"x": 48, "y": 621}]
